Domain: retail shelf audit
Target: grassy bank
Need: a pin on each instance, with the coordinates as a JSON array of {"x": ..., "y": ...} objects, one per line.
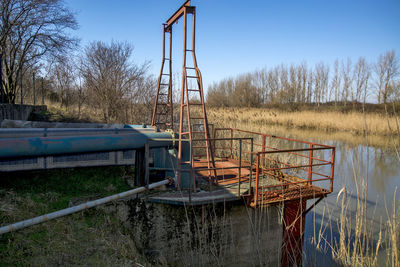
[
  {"x": 94, "y": 237},
  {"x": 353, "y": 122}
]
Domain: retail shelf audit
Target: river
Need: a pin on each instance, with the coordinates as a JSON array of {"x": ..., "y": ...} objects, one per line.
[{"x": 363, "y": 166}]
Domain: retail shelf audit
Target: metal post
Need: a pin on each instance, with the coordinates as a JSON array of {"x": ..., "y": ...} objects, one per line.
[
  {"x": 310, "y": 162},
  {"x": 251, "y": 164},
  {"x": 170, "y": 91},
  {"x": 34, "y": 89},
  {"x": 42, "y": 92},
  {"x": 263, "y": 150},
  {"x": 257, "y": 179},
  {"x": 240, "y": 164},
  {"x": 332, "y": 169}
]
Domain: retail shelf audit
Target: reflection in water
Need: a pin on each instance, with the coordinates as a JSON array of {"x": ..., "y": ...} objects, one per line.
[{"x": 363, "y": 165}]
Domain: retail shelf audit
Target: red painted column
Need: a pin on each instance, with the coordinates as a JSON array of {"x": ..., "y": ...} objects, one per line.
[{"x": 293, "y": 232}]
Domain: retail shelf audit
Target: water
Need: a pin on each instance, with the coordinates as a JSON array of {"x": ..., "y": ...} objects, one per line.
[{"x": 358, "y": 165}]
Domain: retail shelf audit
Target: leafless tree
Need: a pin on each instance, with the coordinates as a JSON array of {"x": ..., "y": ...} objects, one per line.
[
  {"x": 335, "y": 82},
  {"x": 347, "y": 76},
  {"x": 387, "y": 72},
  {"x": 63, "y": 79},
  {"x": 320, "y": 82},
  {"x": 110, "y": 77},
  {"x": 361, "y": 77},
  {"x": 29, "y": 31}
]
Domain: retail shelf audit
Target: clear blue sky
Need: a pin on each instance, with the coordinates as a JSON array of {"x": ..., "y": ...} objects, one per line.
[{"x": 236, "y": 36}]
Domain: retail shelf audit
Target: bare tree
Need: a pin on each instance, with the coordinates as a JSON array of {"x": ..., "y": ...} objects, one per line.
[
  {"x": 320, "y": 82},
  {"x": 63, "y": 78},
  {"x": 387, "y": 71},
  {"x": 361, "y": 77},
  {"x": 111, "y": 78},
  {"x": 347, "y": 90},
  {"x": 335, "y": 82},
  {"x": 30, "y": 30}
]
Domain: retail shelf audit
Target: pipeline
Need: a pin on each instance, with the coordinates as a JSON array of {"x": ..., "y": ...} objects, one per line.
[
  {"x": 87, "y": 205},
  {"x": 56, "y": 145}
]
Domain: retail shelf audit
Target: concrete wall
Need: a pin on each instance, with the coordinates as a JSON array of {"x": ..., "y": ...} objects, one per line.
[
  {"x": 18, "y": 112},
  {"x": 216, "y": 235}
]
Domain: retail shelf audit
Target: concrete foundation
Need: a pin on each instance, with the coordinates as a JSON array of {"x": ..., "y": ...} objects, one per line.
[{"x": 225, "y": 234}]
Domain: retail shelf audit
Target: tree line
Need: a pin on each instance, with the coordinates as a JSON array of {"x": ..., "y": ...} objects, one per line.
[
  {"x": 341, "y": 83},
  {"x": 36, "y": 38}
]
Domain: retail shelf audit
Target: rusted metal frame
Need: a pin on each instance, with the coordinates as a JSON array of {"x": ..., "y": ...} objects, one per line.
[
  {"x": 263, "y": 149},
  {"x": 257, "y": 179},
  {"x": 210, "y": 153},
  {"x": 153, "y": 121},
  {"x": 297, "y": 183},
  {"x": 295, "y": 167},
  {"x": 177, "y": 15},
  {"x": 304, "y": 156},
  {"x": 292, "y": 166},
  {"x": 320, "y": 174},
  {"x": 297, "y": 149},
  {"x": 218, "y": 168},
  {"x": 251, "y": 165},
  {"x": 224, "y": 139},
  {"x": 310, "y": 167},
  {"x": 170, "y": 81},
  {"x": 332, "y": 169},
  {"x": 283, "y": 138},
  {"x": 292, "y": 150},
  {"x": 240, "y": 165}
]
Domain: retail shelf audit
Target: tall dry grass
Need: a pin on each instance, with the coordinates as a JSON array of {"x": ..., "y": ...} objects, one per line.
[{"x": 352, "y": 122}]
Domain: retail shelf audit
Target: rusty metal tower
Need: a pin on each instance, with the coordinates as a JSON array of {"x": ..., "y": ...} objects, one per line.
[{"x": 193, "y": 122}]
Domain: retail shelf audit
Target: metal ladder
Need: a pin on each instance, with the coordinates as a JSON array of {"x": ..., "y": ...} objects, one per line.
[
  {"x": 193, "y": 122},
  {"x": 163, "y": 106},
  {"x": 193, "y": 117}
]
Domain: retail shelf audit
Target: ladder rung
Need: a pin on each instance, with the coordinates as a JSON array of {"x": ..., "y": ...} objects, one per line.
[
  {"x": 189, "y": 50},
  {"x": 193, "y": 90},
  {"x": 166, "y": 74},
  {"x": 166, "y": 58},
  {"x": 184, "y": 133},
  {"x": 191, "y": 76},
  {"x": 185, "y": 162},
  {"x": 190, "y": 68},
  {"x": 164, "y": 83}
]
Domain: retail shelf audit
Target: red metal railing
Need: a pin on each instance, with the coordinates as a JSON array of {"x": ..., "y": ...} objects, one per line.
[{"x": 311, "y": 163}]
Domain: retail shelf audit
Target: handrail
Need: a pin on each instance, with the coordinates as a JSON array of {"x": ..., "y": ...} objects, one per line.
[{"x": 305, "y": 174}]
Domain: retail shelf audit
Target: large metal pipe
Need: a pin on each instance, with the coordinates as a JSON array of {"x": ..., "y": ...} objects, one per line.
[
  {"x": 56, "y": 145},
  {"x": 67, "y": 211},
  {"x": 45, "y": 132}
]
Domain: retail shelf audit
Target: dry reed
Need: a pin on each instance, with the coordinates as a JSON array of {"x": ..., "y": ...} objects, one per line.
[{"x": 352, "y": 122}]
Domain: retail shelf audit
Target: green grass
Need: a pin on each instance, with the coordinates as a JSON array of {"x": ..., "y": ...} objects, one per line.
[{"x": 93, "y": 237}]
